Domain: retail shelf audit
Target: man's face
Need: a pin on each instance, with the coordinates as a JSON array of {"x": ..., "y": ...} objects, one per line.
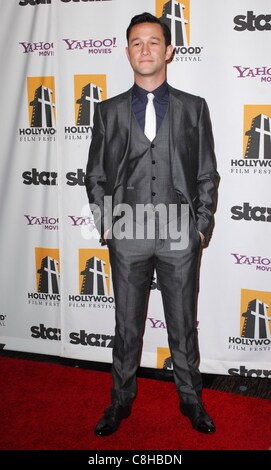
[{"x": 146, "y": 51}]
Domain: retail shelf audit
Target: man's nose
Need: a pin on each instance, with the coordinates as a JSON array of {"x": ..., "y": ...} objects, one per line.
[{"x": 145, "y": 49}]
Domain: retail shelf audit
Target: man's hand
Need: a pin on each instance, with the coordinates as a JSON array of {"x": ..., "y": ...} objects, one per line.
[
  {"x": 202, "y": 237},
  {"x": 105, "y": 235}
]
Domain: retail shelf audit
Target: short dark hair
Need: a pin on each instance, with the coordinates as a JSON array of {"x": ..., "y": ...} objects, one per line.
[{"x": 149, "y": 18}]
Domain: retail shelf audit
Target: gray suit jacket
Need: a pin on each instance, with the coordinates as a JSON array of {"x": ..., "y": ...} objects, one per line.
[{"x": 193, "y": 163}]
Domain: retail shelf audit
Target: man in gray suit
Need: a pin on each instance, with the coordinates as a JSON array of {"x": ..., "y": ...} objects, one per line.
[{"x": 153, "y": 145}]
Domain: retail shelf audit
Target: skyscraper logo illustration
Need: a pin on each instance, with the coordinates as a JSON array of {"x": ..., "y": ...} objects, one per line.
[
  {"x": 176, "y": 15},
  {"x": 255, "y": 156},
  {"x": 255, "y": 321},
  {"x": 41, "y": 101},
  {"x": 164, "y": 360},
  {"x": 88, "y": 90},
  {"x": 94, "y": 271},
  {"x": 94, "y": 281},
  {"x": 47, "y": 270},
  {"x": 257, "y": 132}
]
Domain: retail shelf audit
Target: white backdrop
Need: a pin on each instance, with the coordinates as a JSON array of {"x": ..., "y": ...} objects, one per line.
[{"x": 57, "y": 59}]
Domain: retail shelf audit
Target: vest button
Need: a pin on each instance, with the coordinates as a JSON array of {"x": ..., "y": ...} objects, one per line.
[
  {"x": 153, "y": 162},
  {"x": 153, "y": 194},
  {"x": 154, "y": 178},
  {"x": 152, "y": 146}
]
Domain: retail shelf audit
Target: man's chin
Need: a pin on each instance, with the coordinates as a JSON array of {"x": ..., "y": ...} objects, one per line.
[{"x": 146, "y": 71}]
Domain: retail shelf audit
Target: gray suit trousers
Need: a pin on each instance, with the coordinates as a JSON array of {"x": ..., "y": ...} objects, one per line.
[{"x": 132, "y": 263}]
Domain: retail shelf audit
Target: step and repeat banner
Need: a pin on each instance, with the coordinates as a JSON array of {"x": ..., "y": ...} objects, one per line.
[{"x": 58, "y": 59}]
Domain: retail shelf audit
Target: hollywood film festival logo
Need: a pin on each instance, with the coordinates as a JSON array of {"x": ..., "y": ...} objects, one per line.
[
  {"x": 256, "y": 158},
  {"x": 47, "y": 278},
  {"x": 164, "y": 360},
  {"x": 176, "y": 15},
  {"x": 95, "y": 288},
  {"x": 88, "y": 91},
  {"x": 255, "y": 322},
  {"x": 41, "y": 110}
]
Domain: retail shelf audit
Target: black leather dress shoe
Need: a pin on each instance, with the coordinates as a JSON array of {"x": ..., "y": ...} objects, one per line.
[
  {"x": 199, "y": 418},
  {"x": 111, "y": 419}
]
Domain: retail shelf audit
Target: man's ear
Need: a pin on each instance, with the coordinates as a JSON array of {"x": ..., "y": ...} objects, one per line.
[
  {"x": 169, "y": 51},
  {"x": 127, "y": 53}
]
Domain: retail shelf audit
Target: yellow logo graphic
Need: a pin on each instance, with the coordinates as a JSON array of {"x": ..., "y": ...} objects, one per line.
[
  {"x": 255, "y": 320},
  {"x": 257, "y": 131},
  {"x": 164, "y": 358},
  {"x": 94, "y": 272},
  {"x": 47, "y": 270},
  {"x": 88, "y": 91},
  {"x": 176, "y": 15},
  {"x": 41, "y": 101}
]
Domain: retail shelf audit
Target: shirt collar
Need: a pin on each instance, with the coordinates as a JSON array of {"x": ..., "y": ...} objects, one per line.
[{"x": 159, "y": 92}]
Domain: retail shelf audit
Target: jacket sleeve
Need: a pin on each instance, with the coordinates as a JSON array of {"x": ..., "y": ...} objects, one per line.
[
  {"x": 95, "y": 180},
  {"x": 207, "y": 177}
]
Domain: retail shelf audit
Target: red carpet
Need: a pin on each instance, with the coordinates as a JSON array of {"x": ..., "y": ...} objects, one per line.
[{"x": 46, "y": 406}]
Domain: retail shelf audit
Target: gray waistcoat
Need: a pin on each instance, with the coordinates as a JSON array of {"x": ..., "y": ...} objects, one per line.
[{"x": 149, "y": 173}]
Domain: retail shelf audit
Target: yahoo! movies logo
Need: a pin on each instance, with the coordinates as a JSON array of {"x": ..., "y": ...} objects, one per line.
[
  {"x": 260, "y": 263},
  {"x": 48, "y": 223},
  {"x": 262, "y": 73},
  {"x": 255, "y": 322},
  {"x": 88, "y": 91},
  {"x": 41, "y": 110},
  {"x": 94, "y": 277},
  {"x": 84, "y": 222},
  {"x": 156, "y": 324},
  {"x": 176, "y": 15},
  {"x": 41, "y": 48},
  {"x": 95, "y": 46},
  {"x": 47, "y": 278},
  {"x": 256, "y": 141}
]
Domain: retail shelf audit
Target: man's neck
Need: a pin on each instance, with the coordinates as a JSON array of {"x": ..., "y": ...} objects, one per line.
[{"x": 149, "y": 83}]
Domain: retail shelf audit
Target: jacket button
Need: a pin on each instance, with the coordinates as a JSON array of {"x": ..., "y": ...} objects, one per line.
[
  {"x": 153, "y": 194},
  {"x": 153, "y": 162},
  {"x": 152, "y": 146},
  {"x": 154, "y": 178}
]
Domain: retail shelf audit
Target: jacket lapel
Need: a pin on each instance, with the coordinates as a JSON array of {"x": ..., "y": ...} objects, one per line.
[
  {"x": 176, "y": 117},
  {"x": 177, "y": 126},
  {"x": 124, "y": 112}
]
